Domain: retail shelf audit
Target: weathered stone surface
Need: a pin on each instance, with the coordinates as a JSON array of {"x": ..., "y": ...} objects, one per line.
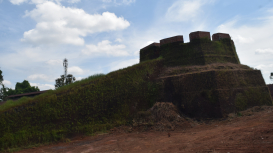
[
  {"x": 199, "y": 34},
  {"x": 218, "y": 36},
  {"x": 149, "y": 52},
  {"x": 216, "y": 93},
  {"x": 172, "y": 40}
]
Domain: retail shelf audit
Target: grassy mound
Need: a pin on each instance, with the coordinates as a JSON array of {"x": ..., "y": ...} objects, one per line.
[{"x": 94, "y": 104}]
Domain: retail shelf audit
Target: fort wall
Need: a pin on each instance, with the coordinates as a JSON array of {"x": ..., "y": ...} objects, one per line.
[{"x": 201, "y": 50}]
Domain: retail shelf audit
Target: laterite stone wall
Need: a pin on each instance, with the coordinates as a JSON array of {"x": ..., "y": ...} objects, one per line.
[
  {"x": 199, "y": 51},
  {"x": 215, "y": 94}
]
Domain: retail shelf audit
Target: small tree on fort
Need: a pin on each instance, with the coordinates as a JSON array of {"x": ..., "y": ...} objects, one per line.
[{"x": 66, "y": 78}]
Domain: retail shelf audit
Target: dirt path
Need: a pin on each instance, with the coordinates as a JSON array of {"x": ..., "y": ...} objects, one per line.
[{"x": 249, "y": 134}]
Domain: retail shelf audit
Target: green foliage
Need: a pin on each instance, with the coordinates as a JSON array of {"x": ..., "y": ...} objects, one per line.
[
  {"x": 4, "y": 92},
  {"x": 20, "y": 88},
  {"x": 60, "y": 82},
  {"x": 1, "y": 77},
  {"x": 95, "y": 104},
  {"x": 239, "y": 114},
  {"x": 10, "y": 103},
  {"x": 25, "y": 87},
  {"x": 240, "y": 102}
]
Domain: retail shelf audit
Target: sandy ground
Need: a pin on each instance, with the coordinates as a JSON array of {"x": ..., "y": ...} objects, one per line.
[{"x": 250, "y": 133}]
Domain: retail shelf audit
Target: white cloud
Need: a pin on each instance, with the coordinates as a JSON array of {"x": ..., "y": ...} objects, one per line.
[
  {"x": 57, "y": 24},
  {"x": 128, "y": 1},
  {"x": 148, "y": 43},
  {"x": 41, "y": 77},
  {"x": 74, "y": 70},
  {"x": 119, "y": 65},
  {"x": 105, "y": 48},
  {"x": 185, "y": 10},
  {"x": 6, "y": 83},
  {"x": 43, "y": 86},
  {"x": 241, "y": 39},
  {"x": 253, "y": 42},
  {"x": 264, "y": 51},
  {"x": 260, "y": 66},
  {"x": 54, "y": 62},
  {"x": 79, "y": 78},
  {"x": 118, "y": 40},
  {"x": 119, "y": 2},
  {"x": 74, "y": 1},
  {"x": 18, "y": 2}
]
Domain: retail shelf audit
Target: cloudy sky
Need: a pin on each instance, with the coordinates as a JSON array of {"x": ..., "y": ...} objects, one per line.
[{"x": 100, "y": 36}]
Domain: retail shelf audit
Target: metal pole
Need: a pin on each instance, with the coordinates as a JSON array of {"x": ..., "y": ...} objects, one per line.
[{"x": 65, "y": 64}]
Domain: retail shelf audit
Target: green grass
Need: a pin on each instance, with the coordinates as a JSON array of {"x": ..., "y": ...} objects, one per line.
[
  {"x": 80, "y": 82},
  {"x": 10, "y": 103},
  {"x": 24, "y": 100},
  {"x": 88, "y": 106}
]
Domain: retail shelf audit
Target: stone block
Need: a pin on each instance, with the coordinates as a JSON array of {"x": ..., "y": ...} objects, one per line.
[
  {"x": 178, "y": 38},
  {"x": 199, "y": 34},
  {"x": 218, "y": 36}
]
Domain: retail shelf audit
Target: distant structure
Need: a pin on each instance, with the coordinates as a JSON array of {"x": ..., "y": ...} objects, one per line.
[
  {"x": 66, "y": 78},
  {"x": 65, "y": 64},
  {"x": 30, "y": 94}
]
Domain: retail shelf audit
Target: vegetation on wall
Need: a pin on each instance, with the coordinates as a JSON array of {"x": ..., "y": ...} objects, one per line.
[
  {"x": 181, "y": 74},
  {"x": 86, "y": 107}
]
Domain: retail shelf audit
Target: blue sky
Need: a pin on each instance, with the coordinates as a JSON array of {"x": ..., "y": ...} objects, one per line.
[{"x": 100, "y": 36}]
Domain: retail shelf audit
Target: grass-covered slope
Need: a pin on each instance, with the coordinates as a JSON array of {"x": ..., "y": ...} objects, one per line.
[{"x": 83, "y": 107}]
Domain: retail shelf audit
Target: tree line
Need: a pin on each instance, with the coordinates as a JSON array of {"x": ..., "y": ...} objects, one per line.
[{"x": 25, "y": 87}]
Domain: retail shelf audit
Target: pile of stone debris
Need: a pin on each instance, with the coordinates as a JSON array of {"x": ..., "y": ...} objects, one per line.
[{"x": 163, "y": 116}]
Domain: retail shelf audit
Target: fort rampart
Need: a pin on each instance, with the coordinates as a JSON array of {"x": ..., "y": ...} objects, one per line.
[{"x": 201, "y": 50}]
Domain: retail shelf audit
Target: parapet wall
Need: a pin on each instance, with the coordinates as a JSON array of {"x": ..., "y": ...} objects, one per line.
[
  {"x": 199, "y": 34},
  {"x": 201, "y": 50}
]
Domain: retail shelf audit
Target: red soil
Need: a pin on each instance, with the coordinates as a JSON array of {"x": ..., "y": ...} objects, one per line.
[{"x": 250, "y": 133}]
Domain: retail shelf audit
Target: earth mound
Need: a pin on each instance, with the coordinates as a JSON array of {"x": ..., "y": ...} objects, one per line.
[{"x": 163, "y": 116}]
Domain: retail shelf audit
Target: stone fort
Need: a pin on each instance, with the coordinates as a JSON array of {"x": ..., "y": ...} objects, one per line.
[
  {"x": 199, "y": 51},
  {"x": 204, "y": 77}
]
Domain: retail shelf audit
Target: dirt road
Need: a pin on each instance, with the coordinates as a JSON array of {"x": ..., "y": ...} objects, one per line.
[{"x": 250, "y": 133}]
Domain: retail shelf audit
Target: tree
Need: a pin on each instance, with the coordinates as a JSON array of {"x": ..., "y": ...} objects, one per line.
[
  {"x": 20, "y": 88},
  {"x": 5, "y": 92},
  {"x": 65, "y": 79},
  {"x": 25, "y": 87},
  {"x": 1, "y": 77},
  {"x": 2, "y": 94}
]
